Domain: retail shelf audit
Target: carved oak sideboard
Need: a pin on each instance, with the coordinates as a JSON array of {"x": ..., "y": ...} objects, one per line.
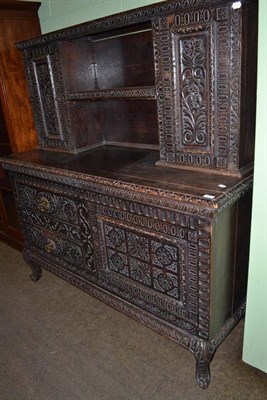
[{"x": 140, "y": 190}]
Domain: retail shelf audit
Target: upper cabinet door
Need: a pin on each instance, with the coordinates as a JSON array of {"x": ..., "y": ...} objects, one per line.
[
  {"x": 200, "y": 55},
  {"x": 44, "y": 72}
]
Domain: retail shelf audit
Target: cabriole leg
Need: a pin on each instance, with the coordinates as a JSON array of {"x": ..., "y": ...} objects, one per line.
[
  {"x": 36, "y": 269},
  {"x": 203, "y": 353}
]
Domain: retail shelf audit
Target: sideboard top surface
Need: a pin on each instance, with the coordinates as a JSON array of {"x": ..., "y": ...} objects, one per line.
[{"x": 130, "y": 166}]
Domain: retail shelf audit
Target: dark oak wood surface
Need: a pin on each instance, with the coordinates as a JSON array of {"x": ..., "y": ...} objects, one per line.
[{"x": 132, "y": 166}]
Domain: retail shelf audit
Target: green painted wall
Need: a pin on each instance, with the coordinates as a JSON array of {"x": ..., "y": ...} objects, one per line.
[
  {"x": 56, "y": 14},
  {"x": 255, "y": 339}
]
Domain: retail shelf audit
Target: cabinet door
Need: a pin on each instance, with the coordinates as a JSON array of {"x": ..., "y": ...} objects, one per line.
[
  {"x": 156, "y": 260},
  {"x": 46, "y": 86},
  {"x": 198, "y": 74}
]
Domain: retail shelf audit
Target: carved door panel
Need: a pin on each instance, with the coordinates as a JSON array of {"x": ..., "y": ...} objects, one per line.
[
  {"x": 57, "y": 227},
  {"x": 160, "y": 266},
  {"x": 46, "y": 86},
  {"x": 198, "y": 79}
]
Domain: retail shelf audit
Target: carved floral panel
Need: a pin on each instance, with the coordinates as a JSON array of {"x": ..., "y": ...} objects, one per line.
[
  {"x": 198, "y": 60},
  {"x": 194, "y": 90}
]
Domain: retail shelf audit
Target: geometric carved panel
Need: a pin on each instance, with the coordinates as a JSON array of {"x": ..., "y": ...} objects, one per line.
[{"x": 152, "y": 262}]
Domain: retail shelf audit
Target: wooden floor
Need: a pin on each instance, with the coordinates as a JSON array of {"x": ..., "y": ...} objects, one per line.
[{"x": 58, "y": 343}]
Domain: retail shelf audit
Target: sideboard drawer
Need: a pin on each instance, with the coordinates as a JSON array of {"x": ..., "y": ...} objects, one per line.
[
  {"x": 59, "y": 250},
  {"x": 53, "y": 205},
  {"x": 57, "y": 227}
]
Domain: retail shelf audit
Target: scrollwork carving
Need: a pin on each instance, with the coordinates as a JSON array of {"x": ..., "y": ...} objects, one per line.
[{"x": 48, "y": 203}]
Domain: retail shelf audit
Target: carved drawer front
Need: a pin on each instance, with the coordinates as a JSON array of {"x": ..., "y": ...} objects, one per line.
[
  {"x": 58, "y": 228},
  {"x": 62, "y": 251},
  {"x": 155, "y": 266},
  {"x": 46, "y": 204}
]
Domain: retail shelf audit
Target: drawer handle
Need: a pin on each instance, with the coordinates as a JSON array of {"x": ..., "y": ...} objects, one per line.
[
  {"x": 43, "y": 204},
  {"x": 50, "y": 246}
]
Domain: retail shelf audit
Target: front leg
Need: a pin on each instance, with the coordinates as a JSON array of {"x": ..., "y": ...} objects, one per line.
[
  {"x": 36, "y": 269},
  {"x": 203, "y": 353}
]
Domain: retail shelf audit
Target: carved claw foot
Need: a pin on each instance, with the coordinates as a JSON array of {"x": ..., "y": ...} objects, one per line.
[
  {"x": 36, "y": 269},
  {"x": 203, "y": 353}
]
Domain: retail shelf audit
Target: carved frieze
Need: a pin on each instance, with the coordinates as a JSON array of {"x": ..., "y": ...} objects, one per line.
[
  {"x": 142, "y": 197},
  {"x": 120, "y": 20}
]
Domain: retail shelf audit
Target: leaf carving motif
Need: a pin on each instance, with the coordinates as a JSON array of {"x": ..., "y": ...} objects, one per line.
[{"x": 193, "y": 91}]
